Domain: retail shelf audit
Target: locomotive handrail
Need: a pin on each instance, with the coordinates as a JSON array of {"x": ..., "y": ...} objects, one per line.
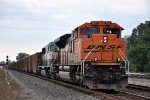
[
  {"x": 54, "y": 59},
  {"x": 125, "y": 59},
  {"x": 82, "y": 62}
]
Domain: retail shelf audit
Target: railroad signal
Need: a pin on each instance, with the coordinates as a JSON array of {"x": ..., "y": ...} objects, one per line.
[{"x": 7, "y": 59}]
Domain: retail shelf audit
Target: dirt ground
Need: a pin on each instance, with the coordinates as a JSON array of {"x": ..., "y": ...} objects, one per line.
[{"x": 9, "y": 88}]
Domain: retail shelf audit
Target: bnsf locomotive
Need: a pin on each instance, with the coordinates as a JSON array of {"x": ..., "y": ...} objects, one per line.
[{"x": 94, "y": 55}]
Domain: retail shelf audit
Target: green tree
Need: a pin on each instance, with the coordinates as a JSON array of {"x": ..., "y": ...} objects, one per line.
[
  {"x": 2, "y": 62},
  {"x": 21, "y": 56},
  {"x": 138, "y": 48}
]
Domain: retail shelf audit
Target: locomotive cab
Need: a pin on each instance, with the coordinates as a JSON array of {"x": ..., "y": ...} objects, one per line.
[{"x": 101, "y": 38}]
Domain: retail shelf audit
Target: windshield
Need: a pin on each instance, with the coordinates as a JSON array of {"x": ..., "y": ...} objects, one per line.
[
  {"x": 54, "y": 47},
  {"x": 111, "y": 31},
  {"x": 89, "y": 30}
]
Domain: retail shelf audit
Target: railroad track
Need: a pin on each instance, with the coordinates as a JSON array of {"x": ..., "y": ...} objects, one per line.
[
  {"x": 118, "y": 95},
  {"x": 141, "y": 76},
  {"x": 138, "y": 87},
  {"x": 130, "y": 96}
]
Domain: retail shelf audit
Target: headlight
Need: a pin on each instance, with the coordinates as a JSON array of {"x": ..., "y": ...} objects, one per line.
[
  {"x": 118, "y": 59},
  {"x": 105, "y": 39},
  {"x": 95, "y": 59}
]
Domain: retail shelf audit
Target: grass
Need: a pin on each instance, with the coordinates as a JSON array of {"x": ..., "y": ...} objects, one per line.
[{"x": 9, "y": 88}]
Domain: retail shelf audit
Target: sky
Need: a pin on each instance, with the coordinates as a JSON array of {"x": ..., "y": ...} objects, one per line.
[{"x": 28, "y": 25}]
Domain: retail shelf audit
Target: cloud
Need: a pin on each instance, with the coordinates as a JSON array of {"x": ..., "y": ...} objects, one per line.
[
  {"x": 85, "y": 6},
  {"x": 13, "y": 49},
  {"x": 32, "y": 22}
]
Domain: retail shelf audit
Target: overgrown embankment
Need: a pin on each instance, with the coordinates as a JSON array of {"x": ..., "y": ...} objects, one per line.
[{"x": 9, "y": 88}]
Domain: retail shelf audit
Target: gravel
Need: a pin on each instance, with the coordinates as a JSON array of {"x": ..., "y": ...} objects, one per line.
[
  {"x": 37, "y": 89},
  {"x": 33, "y": 88},
  {"x": 139, "y": 81}
]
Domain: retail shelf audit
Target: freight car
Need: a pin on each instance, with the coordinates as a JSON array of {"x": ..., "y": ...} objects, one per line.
[
  {"x": 28, "y": 64},
  {"x": 94, "y": 55}
]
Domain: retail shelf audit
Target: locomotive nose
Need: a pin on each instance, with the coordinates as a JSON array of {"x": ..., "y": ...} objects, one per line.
[{"x": 102, "y": 48}]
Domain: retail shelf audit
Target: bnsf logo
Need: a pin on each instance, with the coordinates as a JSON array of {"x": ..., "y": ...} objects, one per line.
[{"x": 104, "y": 47}]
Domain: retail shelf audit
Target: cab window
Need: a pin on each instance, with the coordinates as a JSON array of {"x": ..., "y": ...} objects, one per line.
[
  {"x": 75, "y": 34},
  {"x": 111, "y": 31},
  {"x": 54, "y": 48},
  {"x": 87, "y": 30}
]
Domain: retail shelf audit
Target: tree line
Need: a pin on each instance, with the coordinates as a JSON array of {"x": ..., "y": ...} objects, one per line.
[
  {"x": 20, "y": 56},
  {"x": 138, "y": 48}
]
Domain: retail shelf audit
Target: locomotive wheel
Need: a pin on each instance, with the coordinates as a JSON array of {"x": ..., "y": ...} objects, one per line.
[
  {"x": 53, "y": 75},
  {"x": 39, "y": 72},
  {"x": 36, "y": 71},
  {"x": 47, "y": 73},
  {"x": 74, "y": 77},
  {"x": 31, "y": 71}
]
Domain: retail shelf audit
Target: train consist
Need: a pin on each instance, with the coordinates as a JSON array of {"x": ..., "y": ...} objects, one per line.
[{"x": 94, "y": 55}]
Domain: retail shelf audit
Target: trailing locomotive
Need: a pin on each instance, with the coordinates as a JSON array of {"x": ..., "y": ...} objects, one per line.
[{"x": 94, "y": 54}]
